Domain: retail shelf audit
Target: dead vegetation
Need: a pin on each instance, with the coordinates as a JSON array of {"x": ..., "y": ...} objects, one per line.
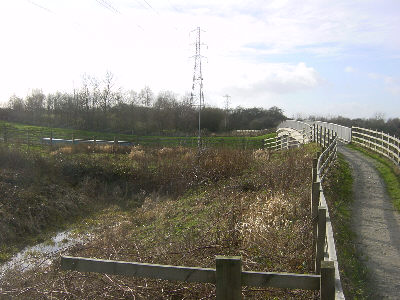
[{"x": 233, "y": 202}]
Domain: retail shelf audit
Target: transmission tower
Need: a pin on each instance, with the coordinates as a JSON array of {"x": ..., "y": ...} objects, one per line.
[
  {"x": 197, "y": 95},
  {"x": 226, "y": 109}
]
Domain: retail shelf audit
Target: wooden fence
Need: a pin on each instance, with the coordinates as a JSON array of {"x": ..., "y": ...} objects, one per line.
[
  {"x": 380, "y": 142},
  {"x": 286, "y": 139},
  {"x": 228, "y": 275},
  {"x": 322, "y": 227}
]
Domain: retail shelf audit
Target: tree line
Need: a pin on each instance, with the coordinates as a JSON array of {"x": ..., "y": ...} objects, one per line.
[{"x": 99, "y": 105}]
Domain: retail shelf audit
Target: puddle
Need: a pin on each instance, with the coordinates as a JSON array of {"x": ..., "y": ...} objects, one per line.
[{"x": 44, "y": 253}]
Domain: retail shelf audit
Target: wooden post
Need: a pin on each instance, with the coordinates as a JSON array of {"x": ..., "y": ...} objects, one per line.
[
  {"x": 27, "y": 138},
  {"x": 320, "y": 136},
  {"x": 327, "y": 280},
  {"x": 314, "y": 170},
  {"x": 314, "y": 134},
  {"x": 228, "y": 277},
  {"x": 321, "y": 233},
  {"x": 73, "y": 138},
  {"x": 94, "y": 140},
  {"x": 51, "y": 138},
  {"x": 315, "y": 194}
]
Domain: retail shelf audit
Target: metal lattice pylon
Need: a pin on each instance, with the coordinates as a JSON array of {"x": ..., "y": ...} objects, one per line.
[{"x": 197, "y": 95}]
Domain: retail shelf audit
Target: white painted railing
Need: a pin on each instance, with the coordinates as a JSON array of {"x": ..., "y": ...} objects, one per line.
[{"x": 380, "y": 142}]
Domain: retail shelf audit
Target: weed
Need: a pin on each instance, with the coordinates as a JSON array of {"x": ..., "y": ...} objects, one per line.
[{"x": 193, "y": 206}]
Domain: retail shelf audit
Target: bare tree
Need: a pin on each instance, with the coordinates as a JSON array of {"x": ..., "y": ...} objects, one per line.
[{"x": 146, "y": 96}]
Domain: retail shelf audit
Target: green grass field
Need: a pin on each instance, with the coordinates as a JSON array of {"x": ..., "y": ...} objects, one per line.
[{"x": 23, "y": 133}]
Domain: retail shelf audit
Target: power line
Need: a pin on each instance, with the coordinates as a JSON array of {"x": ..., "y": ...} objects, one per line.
[
  {"x": 151, "y": 7},
  {"x": 40, "y": 6},
  {"x": 108, "y": 6}
]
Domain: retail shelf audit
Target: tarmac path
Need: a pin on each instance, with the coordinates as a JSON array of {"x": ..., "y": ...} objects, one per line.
[{"x": 377, "y": 225}]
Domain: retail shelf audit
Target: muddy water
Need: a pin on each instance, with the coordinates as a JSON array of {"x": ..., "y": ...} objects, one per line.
[{"x": 44, "y": 253}]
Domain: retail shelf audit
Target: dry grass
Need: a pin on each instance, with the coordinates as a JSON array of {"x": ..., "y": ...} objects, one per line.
[{"x": 259, "y": 211}]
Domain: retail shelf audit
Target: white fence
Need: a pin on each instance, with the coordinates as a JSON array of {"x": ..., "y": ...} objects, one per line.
[
  {"x": 343, "y": 132},
  {"x": 327, "y": 136},
  {"x": 322, "y": 231},
  {"x": 302, "y": 127},
  {"x": 380, "y": 142}
]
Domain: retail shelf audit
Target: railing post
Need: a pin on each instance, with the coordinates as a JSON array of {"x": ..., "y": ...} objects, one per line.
[
  {"x": 321, "y": 233},
  {"x": 315, "y": 194},
  {"x": 51, "y": 138},
  {"x": 73, "y": 138},
  {"x": 314, "y": 136},
  {"x": 228, "y": 277},
  {"x": 327, "y": 291},
  {"x": 329, "y": 137},
  {"x": 314, "y": 169},
  {"x": 320, "y": 136}
]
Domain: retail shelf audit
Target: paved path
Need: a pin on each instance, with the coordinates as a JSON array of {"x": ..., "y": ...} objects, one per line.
[{"x": 377, "y": 225}]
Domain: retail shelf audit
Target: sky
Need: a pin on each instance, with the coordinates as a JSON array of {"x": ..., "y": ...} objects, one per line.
[{"x": 309, "y": 57}]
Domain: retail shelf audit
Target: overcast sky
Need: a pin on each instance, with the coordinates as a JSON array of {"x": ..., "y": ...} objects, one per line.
[{"x": 307, "y": 57}]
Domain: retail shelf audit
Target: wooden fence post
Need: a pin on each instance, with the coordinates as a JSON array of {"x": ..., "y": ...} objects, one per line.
[
  {"x": 329, "y": 136},
  {"x": 315, "y": 194},
  {"x": 327, "y": 291},
  {"x": 321, "y": 233},
  {"x": 73, "y": 138},
  {"x": 320, "y": 136},
  {"x": 228, "y": 277},
  {"x": 314, "y": 136},
  {"x": 314, "y": 170},
  {"x": 51, "y": 138}
]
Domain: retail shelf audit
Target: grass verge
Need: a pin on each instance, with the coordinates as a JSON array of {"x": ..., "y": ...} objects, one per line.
[
  {"x": 339, "y": 194},
  {"x": 388, "y": 172}
]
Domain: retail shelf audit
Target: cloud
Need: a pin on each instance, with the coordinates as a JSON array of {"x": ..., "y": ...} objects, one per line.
[
  {"x": 349, "y": 69},
  {"x": 275, "y": 79}
]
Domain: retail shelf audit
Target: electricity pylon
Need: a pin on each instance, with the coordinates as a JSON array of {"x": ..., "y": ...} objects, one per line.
[
  {"x": 197, "y": 94},
  {"x": 226, "y": 110}
]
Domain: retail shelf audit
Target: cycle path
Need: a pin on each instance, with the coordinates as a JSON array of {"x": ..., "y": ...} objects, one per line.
[{"x": 377, "y": 225}]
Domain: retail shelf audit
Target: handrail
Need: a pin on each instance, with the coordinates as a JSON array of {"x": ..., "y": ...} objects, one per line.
[
  {"x": 380, "y": 142},
  {"x": 323, "y": 164}
]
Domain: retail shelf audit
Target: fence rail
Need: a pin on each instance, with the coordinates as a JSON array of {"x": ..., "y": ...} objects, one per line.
[
  {"x": 227, "y": 276},
  {"x": 322, "y": 228},
  {"x": 327, "y": 136},
  {"x": 380, "y": 142}
]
